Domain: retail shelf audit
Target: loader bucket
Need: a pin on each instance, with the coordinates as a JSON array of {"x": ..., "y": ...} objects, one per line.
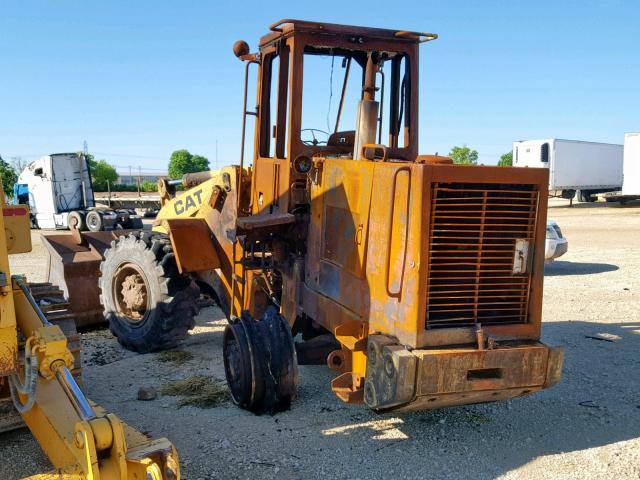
[{"x": 74, "y": 265}]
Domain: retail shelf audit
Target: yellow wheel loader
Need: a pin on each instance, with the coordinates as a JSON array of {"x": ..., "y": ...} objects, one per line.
[
  {"x": 39, "y": 375},
  {"x": 417, "y": 281}
]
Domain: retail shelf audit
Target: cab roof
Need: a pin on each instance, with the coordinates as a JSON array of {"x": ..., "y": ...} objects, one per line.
[{"x": 287, "y": 27}]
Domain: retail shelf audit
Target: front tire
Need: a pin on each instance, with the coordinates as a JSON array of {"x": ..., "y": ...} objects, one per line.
[
  {"x": 148, "y": 304},
  {"x": 260, "y": 362}
]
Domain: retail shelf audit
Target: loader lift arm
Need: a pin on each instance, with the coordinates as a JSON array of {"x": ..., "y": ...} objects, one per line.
[
  {"x": 79, "y": 437},
  {"x": 82, "y": 441}
]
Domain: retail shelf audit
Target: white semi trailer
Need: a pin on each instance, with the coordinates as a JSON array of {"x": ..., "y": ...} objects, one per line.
[
  {"x": 585, "y": 168},
  {"x": 631, "y": 180},
  {"x": 631, "y": 171},
  {"x": 59, "y": 192}
]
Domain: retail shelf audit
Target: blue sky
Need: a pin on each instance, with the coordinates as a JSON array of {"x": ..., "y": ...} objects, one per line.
[{"x": 138, "y": 80}]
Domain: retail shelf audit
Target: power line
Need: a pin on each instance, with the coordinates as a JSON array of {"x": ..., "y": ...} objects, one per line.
[
  {"x": 116, "y": 165},
  {"x": 130, "y": 156},
  {"x": 32, "y": 155}
]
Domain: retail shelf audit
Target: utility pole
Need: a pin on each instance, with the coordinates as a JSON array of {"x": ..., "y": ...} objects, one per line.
[
  {"x": 130, "y": 176},
  {"x": 85, "y": 148}
]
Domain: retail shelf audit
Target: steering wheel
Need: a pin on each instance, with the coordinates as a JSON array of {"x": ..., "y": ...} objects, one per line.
[{"x": 313, "y": 141}]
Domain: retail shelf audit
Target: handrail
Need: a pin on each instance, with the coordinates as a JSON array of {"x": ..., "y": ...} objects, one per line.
[
  {"x": 390, "y": 235},
  {"x": 275, "y": 27},
  {"x": 422, "y": 37},
  {"x": 244, "y": 129}
]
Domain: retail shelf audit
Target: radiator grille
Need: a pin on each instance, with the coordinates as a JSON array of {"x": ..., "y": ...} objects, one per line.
[{"x": 473, "y": 232}]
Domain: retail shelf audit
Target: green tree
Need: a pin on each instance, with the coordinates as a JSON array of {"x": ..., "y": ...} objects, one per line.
[
  {"x": 101, "y": 172},
  {"x": 9, "y": 177},
  {"x": 147, "y": 186},
  {"x": 90, "y": 160},
  {"x": 182, "y": 162},
  {"x": 200, "y": 163},
  {"x": 506, "y": 160},
  {"x": 464, "y": 155}
]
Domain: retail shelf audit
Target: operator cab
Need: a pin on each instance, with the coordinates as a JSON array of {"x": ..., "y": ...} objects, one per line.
[
  {"x": 327, "y": 90},
  {"x": 333, "y": 88}
]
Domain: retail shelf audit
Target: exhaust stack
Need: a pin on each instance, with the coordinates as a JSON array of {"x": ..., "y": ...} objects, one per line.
[{"x": 367, "y": 120}]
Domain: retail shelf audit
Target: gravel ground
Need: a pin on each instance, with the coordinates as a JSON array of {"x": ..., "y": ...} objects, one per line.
[{"x": 586, "y": 427}]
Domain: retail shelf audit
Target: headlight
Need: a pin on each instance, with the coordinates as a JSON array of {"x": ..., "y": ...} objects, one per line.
[{"x": 302, "y": 164}]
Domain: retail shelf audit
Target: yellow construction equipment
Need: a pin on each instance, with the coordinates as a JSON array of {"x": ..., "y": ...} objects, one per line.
[
  {"x": 82, "y": 441},
  {"x": 417, "y": 281}
]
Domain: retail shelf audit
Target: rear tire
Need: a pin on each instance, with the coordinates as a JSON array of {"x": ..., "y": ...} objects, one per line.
[
  {"x": 94, "y": 221},
  {"x": 148, "y": 304},
  {"x": 586, "y": 196},
  {"x": 79, "y": 219}
]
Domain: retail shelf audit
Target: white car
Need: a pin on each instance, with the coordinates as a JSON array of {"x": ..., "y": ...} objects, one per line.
[{"x": 556, "y": 245}]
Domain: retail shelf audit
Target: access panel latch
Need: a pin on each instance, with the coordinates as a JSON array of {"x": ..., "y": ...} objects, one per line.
[{"x": 521, "y": 257}]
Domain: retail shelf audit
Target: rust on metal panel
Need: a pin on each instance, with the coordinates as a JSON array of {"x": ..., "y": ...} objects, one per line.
[
  {"x": 474, "y": 229},
  {"x": 428, "y": 402},
  {"x": 71, "y": 263},
  {"x": 192, "y": 245},
  {"x": 471, "y": 370},
  {"x": 395, "y": 273}
]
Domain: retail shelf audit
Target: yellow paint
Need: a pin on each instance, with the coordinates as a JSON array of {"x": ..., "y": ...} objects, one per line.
[
  {"x": 14, "y": 231},
  {"x": 193, "y": 202},
  {"x": 73, "y": 444}
]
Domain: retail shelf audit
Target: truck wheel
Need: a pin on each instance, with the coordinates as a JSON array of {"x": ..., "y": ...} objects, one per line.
[
  {"x": 148, "y": 304},
  {"x": 94, "y": 221},
  {"x": 136, "y": 223},
  {"x": 583, "y": 196},
  {"x": 77, "y": 219}
]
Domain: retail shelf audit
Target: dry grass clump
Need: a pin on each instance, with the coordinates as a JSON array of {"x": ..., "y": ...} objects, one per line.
[
  {"x": 198, "y": 391},
  {"x": 178, "y": 357}
]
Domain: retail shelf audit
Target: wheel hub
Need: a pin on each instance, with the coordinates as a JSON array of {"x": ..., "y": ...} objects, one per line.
[
  {"x": 131, "y": 292},
  {"x": 134, "y": 292}
]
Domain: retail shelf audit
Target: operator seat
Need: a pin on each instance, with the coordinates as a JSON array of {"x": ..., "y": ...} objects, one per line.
[{"x": 345, "y": 139}]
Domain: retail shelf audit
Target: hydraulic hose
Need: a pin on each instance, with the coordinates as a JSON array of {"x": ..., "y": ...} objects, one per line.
[
  {"x": 28, "y": 387},
  {"x": 27, "y": 293}
]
